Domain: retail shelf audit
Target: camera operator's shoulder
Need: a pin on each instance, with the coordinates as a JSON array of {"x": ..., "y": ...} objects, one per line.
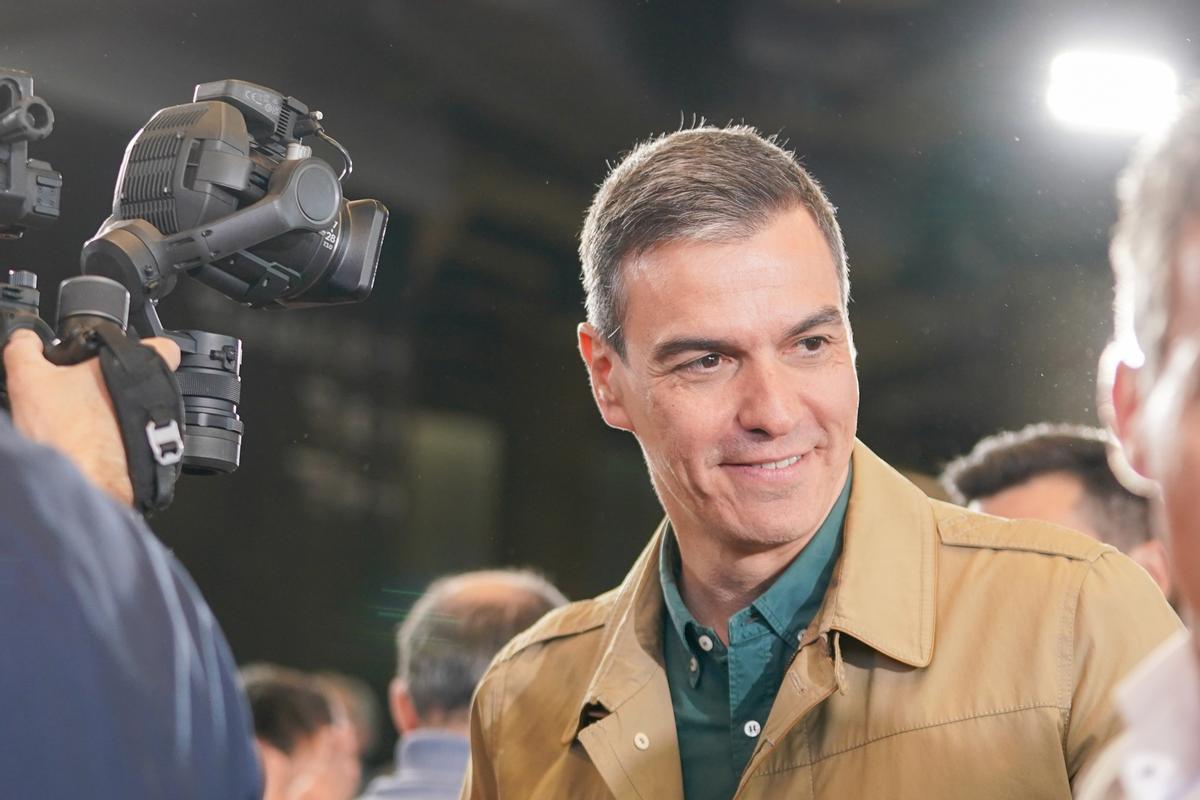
[
  {"x": 959, "y": 527},
  {"x": 583, "y": 619}
]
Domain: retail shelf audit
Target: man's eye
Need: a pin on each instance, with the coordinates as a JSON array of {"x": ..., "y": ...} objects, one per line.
[
  {"x": 812, "y": 344},
  {"x": 704, "y": 363}
]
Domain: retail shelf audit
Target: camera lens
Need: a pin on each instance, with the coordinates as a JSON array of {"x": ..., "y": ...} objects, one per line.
[{"x": 336, "y": 265}]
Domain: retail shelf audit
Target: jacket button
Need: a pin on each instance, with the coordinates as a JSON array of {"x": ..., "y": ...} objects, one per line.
[
  {"x": 641, "y": 741},
  {"x": 752, "y": 729},
  {"x": 706, "y": 643},
  {"x": 693, "y": 665}
]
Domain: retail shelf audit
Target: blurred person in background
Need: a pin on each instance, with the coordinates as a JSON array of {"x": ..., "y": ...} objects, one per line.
[
  {"x": 306, "y": 750},
  {"x": 361, "y": 707},
  {"x": 1059, "y": 474},
  {"x": 1150, "y": 393},
  {"x": 116, "y": 682},
  {"x": 443, "y": 647}
]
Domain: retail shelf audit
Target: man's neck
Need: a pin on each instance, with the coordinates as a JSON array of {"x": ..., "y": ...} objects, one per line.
[{"x": 716, "y": 582}]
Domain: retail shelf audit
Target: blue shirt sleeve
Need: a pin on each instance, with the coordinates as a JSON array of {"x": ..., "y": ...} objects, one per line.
[{"x": 115, "y": 679}]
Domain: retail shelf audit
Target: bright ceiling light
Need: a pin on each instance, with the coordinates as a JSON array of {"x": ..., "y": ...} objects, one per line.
[{"x": 1112, "y": 91}]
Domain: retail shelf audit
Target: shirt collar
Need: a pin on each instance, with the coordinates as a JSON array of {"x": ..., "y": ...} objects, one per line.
[
  {"x": 797, "y": 593},
  {"x": 432, "y": 750},
  {"x": 668, "y": 567},
  {"x": 789, "y": 598}
]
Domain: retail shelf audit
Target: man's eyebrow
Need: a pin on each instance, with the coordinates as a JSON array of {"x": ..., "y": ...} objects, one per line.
[
  {"x": 673, "y": 347},
  {"x": 827, "y": 315}
]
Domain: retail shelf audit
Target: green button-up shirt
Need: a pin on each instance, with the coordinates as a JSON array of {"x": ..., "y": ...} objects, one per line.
[{"x": 722, "y": 694}]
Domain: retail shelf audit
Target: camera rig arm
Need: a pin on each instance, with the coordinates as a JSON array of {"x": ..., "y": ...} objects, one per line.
[{"x": 303, "y": 195}]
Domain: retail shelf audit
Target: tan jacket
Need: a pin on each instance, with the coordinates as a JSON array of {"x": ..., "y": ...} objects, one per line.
[{"x": 956, "y": 655}]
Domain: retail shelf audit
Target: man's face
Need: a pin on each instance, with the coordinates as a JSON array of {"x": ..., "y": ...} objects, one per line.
[
  {"x": 1161, "y": 430},
  {"x": 738, "y": 382}
]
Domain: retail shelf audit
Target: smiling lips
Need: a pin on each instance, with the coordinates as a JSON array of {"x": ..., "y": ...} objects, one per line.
[
  {"x": 781, "y": 464},
  {"x": 765, "y": 467}
]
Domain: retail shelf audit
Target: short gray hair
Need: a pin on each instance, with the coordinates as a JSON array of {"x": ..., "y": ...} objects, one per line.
[
  {"x": 1159, "y": 195},
  {"x": 452, "y": 633},
  {"x": 700, "y": 184}
]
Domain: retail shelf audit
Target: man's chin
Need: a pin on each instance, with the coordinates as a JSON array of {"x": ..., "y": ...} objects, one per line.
[{"x": 751, "y": 537}]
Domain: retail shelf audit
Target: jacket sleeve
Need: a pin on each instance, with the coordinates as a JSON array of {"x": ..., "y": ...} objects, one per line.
[
  {"x": 481, "y": 782},
  {"x": 1120, "y": 616}
]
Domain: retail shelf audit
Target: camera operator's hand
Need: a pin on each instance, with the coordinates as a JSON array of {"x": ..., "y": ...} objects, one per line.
[{"x": 69, "y": 408}]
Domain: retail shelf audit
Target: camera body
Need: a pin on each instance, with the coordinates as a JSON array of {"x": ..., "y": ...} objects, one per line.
[
  {"x": 222, "y": 190},
  {"x": 232, "y": 198}
]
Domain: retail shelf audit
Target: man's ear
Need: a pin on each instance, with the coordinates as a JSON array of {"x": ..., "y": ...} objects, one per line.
[
  {"x": 277, "y": 770},
  {"x": 605, "y": 369},
  {"x": 400, "y": 704},
  {"x": 1124, "y": 416}
]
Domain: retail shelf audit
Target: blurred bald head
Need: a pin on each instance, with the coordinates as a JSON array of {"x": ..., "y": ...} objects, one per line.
[{"x": 451, "y": 635}]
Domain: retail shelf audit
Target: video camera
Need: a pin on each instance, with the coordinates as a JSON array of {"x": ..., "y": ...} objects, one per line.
[{"x": 221, "y": 189}]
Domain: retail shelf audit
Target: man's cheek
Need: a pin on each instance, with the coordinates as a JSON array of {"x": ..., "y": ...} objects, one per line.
[
  {"x": 1169, "y": 423},
  {"x": 1183, "y": 518}
]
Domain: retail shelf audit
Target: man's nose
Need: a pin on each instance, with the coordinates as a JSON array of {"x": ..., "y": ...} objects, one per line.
[{"x": 769, "y": 401}]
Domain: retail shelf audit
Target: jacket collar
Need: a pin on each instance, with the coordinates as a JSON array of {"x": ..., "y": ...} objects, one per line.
[
  {"x": 631, "y": 649},
  {"x": 884, "y": 587},
  {"x": 882, "y": 591}
]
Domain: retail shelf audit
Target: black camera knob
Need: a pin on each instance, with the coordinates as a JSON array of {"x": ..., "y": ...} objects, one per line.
[{"x": 92, "y": 296}]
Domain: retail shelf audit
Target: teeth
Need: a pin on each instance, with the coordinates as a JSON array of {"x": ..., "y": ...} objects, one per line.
[{"x": 787, "y": 462}]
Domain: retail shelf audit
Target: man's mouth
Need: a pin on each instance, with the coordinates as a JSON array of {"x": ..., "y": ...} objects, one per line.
[
  {"x": 783, "y": 463},
  {"x": 773, "y": 465}
]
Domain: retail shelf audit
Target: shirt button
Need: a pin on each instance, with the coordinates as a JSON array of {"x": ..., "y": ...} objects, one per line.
[
  {"x": 706, "y": 643},
  {"x": 693, "y": 665},
  {"x": 752, "y": 729},
  {"x": 641, "y": 741}
]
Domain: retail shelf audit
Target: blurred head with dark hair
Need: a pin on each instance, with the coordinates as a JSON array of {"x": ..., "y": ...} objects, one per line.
[
  {"x": 297, "y": 730},
  {"x": 354, "y": 697},
  {"x": 451, "y": 635},
  {"x": 1058, "y": 474}
]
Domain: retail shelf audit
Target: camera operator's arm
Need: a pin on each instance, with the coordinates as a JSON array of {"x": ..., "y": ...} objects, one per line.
[{"x": 69, "y": 408}]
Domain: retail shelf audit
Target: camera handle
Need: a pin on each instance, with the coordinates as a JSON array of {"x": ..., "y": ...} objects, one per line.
[
  {"x": 148, "y": 401},
  {"x": 148, "y": 405}
]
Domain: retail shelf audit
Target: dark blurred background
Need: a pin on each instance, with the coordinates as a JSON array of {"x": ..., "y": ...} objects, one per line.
[{"x": 446, "y": 424}]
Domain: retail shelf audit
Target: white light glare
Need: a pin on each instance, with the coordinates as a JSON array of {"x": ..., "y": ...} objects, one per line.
[{"x": 1112, "y": 91}]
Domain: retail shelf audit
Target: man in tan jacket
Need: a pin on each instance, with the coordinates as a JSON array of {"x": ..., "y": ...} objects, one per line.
[{"x": 805, "y": 622}]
